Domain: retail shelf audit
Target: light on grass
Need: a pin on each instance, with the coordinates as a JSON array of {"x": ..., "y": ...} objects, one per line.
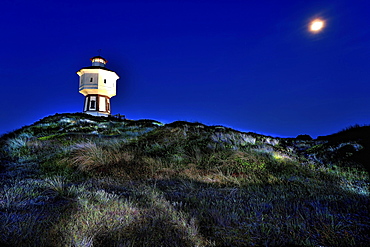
[
  {"x": 280, "y": 157},
  {"x": 361, "y": 190}
]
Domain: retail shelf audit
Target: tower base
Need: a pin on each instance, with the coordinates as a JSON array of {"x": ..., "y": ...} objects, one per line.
[
  {"x": 97, "y": 105},
  {"x": 97, "y": 114}
]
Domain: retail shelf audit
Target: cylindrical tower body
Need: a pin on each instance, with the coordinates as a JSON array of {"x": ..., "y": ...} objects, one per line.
[{"x": 98, "y": 85}]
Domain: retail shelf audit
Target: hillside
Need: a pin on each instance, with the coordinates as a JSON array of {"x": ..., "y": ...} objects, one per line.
[{"x": 79, "y": 180}]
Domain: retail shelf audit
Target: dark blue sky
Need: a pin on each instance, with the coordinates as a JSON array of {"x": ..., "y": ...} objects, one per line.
[{"x": 249, "y": 65}]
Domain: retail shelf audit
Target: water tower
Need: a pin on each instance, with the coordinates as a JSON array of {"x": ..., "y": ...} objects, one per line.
[{"x": 98, "y": 85}]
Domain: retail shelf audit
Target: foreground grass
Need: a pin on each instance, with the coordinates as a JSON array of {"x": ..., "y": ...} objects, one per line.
[{"x": 175, "y": 186}]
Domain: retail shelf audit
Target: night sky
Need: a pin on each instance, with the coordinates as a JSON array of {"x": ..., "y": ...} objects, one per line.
[{"x": 248, "y": 65}]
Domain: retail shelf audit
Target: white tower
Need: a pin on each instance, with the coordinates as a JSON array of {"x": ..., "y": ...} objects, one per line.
[{"x": 98, "y": 85}]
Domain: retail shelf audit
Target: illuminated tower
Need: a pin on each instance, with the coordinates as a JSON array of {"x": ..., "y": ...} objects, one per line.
[{"x": 98, "y": 85}]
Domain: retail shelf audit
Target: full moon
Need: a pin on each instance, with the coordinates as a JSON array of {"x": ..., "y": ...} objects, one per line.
[{"x": 317, "y": 25}]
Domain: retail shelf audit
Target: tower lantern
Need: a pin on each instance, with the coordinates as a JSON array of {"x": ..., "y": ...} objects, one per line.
[
  {"x": 98, "y": 85},
  {"x": 98, "y": 61}
]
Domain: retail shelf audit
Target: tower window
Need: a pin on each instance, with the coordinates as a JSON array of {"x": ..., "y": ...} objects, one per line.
[
  {"x": 91, "y": 79},
  {"x": 92, "y": 104}
]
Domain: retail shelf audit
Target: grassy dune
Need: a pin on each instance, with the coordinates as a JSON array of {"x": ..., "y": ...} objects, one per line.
[{"x": 77, "y": 180}]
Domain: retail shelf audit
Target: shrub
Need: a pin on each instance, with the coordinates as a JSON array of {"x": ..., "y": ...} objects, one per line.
[
  {"x": 90, "y": 156},
  {"x": 304, "y": 137},
  {"x": 58, "y": 186},
  {"x": 242, "y": 162},
  {"x": 17, "y": 146},
  {"x": 113, "y": 159}
]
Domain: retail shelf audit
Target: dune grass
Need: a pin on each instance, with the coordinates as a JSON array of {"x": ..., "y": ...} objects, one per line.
[{"x": 176, "y": 185}]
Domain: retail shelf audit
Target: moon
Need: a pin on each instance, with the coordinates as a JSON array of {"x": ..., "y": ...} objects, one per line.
[{"x": 317, "y": 25}]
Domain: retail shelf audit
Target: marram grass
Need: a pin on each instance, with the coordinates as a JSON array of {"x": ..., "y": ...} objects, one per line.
[{"x": 175, "y": 187}]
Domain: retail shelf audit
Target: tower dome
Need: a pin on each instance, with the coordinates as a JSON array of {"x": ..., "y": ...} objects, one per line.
[
  {"x": 98, "y": 85},
  {"x": 98, "y": 61}
]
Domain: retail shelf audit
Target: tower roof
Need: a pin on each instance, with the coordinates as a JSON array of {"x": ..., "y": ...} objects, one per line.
[
  {"x": 97, "y": 67},
  {"x": 98, "y": 58},
  {"x": 98, "y": 61}
]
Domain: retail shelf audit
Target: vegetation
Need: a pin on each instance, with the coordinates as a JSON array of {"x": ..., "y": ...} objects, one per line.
[{"x": 78, "y": 180}]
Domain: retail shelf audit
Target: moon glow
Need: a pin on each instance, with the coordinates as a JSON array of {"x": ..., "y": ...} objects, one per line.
[{"x": 317, "y": 25}]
